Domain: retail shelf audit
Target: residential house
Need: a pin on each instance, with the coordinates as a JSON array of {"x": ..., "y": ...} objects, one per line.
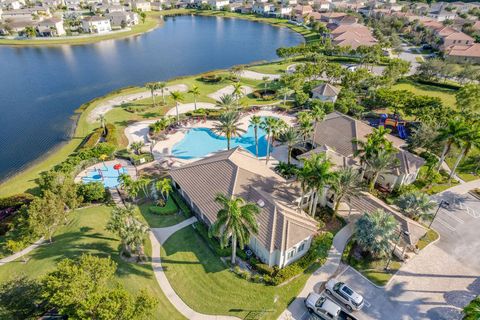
[
  {"x": 351, "y": 35},
  {"x": 122, "y": 19},
  {"x": 321, "y": 5},
  {"x": 50, "y": 27},
  {"x": 285, "y": 233},
  {"x": 96, "y": 24},
  {"x": 299, "y": 12},
  {"x": 338, "y": 133},
  {"x": 262, "y": 8},
  {"x": 156, "y": 6},
  {"x": 143, "y": 6},
  {"x": 218, "y": 4},
  {"x": 442, "y": 15},
  {"x": 463, "y": 54},
  {"x": 325, "y": 92},
  {"x": 283, "y": 11}
]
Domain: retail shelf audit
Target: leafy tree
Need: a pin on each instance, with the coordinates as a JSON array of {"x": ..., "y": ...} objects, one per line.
[
  {"x": 450, "y": 135},
  {"x": 20, "y": 299},
  {"x": 468, "y": 141},
  {"x": 415, "y": 204},
  {"x": 162, "y": 86},
  {"x": 290, "y": 137},
  {"x": 255, "y": 122},
  {"x": 85, "y": 289},
  {"x": 195, "y": 92},
  {"x": 129, "y": 185},
  {"x": 334, "y": 72},
  {"x": 228, "y": 124},
  {"x": 165, "y": 187},
  {"x": 236, "y": 220},
  {"x": 346, "y": 183},
  {"x": 237, "y": 92},
  {"x": 46, "y": 214},
  {"x": 90, "y": 192},
  {"x": 468, "y": 99},
  {"x": 301, "y": 98},
  {"x": 318, "y": 114},
  {"x": 396, "y": 69},
  {"x": 272, "y": 126},
  {"x": 137, "y": 146},
  {"x": 374, "y": 231},
  {"x": 472, "y": 310},
  {"x": 101, "y": 119}
]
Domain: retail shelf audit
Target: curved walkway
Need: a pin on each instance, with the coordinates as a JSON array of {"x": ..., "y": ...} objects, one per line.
[
  {"x": 296, "y": 309},
  {"x": 158, "y": 236},
  {"x": 20, "y": 254},
  {"x": 258, "y": 76}
]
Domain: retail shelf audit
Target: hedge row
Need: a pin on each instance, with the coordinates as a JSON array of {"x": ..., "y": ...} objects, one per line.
[
  {"x": 437, "y": 84},
  {"x": 15, "y": 201},
  {"x": 212, "y": 242},
  {"x": 93, "y": 138},
  {"x": 181, "y": 203},
  {"x": 111, "y": 136}
]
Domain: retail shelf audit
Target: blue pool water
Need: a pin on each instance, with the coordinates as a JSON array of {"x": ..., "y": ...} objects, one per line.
[
  {"x": 199, "y": 142},
  {"x": 105, "y": 174}
]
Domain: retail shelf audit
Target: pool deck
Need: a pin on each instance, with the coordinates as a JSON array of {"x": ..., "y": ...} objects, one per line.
[
  {"x": 125, "y": 164},
  {"x": 162, "y": 151}
]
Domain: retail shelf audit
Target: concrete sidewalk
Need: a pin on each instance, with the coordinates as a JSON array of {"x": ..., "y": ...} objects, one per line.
[
  {"x": 20, "y": 254},
  {"x": 296, "y": 309}
]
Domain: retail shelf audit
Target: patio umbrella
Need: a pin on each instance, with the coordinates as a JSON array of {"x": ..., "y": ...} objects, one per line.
[{"x": 117, "y": 167}]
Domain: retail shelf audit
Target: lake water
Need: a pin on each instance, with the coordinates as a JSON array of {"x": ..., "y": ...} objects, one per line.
[{"x": 40, "y": 87}]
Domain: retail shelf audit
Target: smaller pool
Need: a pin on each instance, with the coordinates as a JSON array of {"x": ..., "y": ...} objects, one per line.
[
  {"x": 199, "y": 142},
  {"x": 105, "y": 174}
]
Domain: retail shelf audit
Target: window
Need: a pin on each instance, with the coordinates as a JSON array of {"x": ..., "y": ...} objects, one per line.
[
  {"x": 302, "y": 246},
  {"x": 290, "y": 253}
]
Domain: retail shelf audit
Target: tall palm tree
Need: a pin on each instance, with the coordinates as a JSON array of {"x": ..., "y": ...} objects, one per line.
[
  {"x": 318, "y": 114},
  {"x": 152, "y": 86},
  {"x": 380, "y": 162},
  {"x": 346, "y": 183},
  {"x": 255, "y": 122},
  {"x": 195, "y": 91},
  {"x": 236, "y": 220},
  {"x": 284, "y": 92},
  {"x": 415, "y": 204},
  {"x": 165, "y": 187},
  {"x": 237, "y": 92},
  {"x": 162, "y": 86},
  {"x": 137, "y": 146},
  {"x": 101, "y": 119},
  {"x": 320, "y": 175},
  {"x": 228, "y": 125},
  {"x": 305, "y": 128},
  {"x": 290, "y": 137},
  {"x": 303, "y": 176},
  {"x": 270, "y": 125},
  {"x": 226, "y": 102},
  {"x": 129, "y": 185},
  {"x": 451, "y": 135},
  {"x": 142, "y": 184},
  {"x": 265, "y": 84},
  {"x": 304, "y": 116},
  {"x": 177, "y": 97},
  {"x": 468, "y": 141}
]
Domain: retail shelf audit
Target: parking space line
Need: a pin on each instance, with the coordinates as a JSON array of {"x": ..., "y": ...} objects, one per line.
[
  {"x": 446, "y": 224},
  {"x": 367, "y": 304},
  {"x": 453, "y": 216}
]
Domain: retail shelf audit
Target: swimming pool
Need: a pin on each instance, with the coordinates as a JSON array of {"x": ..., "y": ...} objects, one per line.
[
  {"x": 105, "y": 174},
  {"x": 199, "y": 142}
]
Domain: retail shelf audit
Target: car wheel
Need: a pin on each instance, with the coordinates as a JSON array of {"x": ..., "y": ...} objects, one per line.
[
  {"x": 349, "y": 307},
  {"x": 328, "y": 291},
  {"x": 310, "y": 310}
]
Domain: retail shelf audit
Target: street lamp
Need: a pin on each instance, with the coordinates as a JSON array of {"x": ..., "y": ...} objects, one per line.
[
  {"x": 395, "y": 246},
  {"x": 440, "y": 205}
]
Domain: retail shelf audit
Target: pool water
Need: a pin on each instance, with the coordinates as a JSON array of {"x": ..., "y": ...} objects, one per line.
[
  {"x": 199, "y": 142},
  {"x": 105, "y": 174}
]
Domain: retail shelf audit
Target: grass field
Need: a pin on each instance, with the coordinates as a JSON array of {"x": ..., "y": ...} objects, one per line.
[
  {"x": 447, "y": 95},
  {"x": 86, "y": 233},
  {"x": 205, "y": 284}
]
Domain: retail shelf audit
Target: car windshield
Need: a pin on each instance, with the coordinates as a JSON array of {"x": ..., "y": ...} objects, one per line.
[
  {"x": 337, "y": 286},
  {"x": 320, "y": 301},
  {"x": 347, "y": 290}
]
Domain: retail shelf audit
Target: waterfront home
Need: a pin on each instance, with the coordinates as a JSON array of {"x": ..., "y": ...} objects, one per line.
[
  {"x": 96, "y": 24},
  {"x": 218, "y": 4},
  {"x": 122, "y": 19},
  {"x": 325, "y": 92},
  {"x": 156, "y": 5},
  {"x": 143, "y": 6},
  {"x": 285, "y": 233},
  {"x": 338, "y": 133},
  {"x": 351, "y": 35},
  {"x": 50, "y": 27},
  {"x": 262, "y": 8}
]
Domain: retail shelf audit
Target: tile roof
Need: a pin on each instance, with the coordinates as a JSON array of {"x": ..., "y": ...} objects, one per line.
[
  {"x": 464, "y": 51},
  {"x": 326, "y": 90}
]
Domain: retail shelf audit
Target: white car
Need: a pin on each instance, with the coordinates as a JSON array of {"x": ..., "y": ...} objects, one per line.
[
  {"x": 345, "y": 294},
  {"x": 322, "y": 306}
]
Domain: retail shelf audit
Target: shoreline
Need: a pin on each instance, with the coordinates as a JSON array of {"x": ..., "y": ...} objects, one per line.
[{"x": 154, "y": 18}]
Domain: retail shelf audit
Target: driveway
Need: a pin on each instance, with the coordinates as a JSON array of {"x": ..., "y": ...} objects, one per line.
[
  {"x": 439, "y": 281},
  {"x": 411, "y": 57}
]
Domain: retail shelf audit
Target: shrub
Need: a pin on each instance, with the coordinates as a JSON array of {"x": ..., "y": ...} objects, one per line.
[
  {"x": 169, "y": 208},
  {"x": 212, "y": 242},
  {"x": 256, "y": 278},
  {"x": 15, "y": 201},
  {"x": 111, "y": 136},
  {"x": 90, "y": 192},
  {"x": 142, "y": 158},
  {"x": 211, "y": 78},
  {"x": 181, "y": 203},
  {"x": 264, "y": 269},
  {"x": 92, "y": 140}
]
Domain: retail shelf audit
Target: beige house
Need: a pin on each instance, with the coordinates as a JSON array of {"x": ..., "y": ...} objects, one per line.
[
  {"x": 96, "y": 24},
  {"x": 119, "y": 19},
  {"x": 143, "y": 6},
  {"x": 325, "y": 92},
  {"x": 285, "y": 233},
  {"x": 51, "y": 27},
  {"x": 464, "y": 54}
]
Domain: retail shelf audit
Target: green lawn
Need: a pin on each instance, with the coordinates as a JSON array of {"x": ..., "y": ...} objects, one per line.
[
  {"x": 158, "y": 220},
  {"x": 86, "y": 233},
  {"x": 204, "y": 283},
  {"x": 428, "y": 238},
  {"x": 447, "y": 95}
]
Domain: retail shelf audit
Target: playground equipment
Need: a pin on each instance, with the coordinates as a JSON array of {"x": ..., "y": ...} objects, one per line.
[{"x": 394, "y": 122}]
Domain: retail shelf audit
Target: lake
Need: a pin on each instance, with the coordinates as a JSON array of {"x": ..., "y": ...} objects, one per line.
[{"x": 42, "y": 86}]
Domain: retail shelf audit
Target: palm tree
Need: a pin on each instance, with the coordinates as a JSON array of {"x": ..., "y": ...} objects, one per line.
[
  {"x": 468, "y": 141},
  {"x": 303, "y": 176},
  {"x": 195, "y": 91},
  {"x": 346, "y": 183},
  {"x": 237, "y": 71},
  {"x": 375, "y": 231},
  {"x": 415, "y": 204},
  {"x": 472, "y": 310},
  {"x": 101, "y": 119},
  {"x": 305, "y": 129},
  {"x": 152, "y": 86},
  {"x": 290, "y": 137},
  {"x": 236, "y": 220},
  {"x": 451, "y": 135},
  {"x": 284, "y": 92},
  {"x": 229, "y": 126},
  {"x": 380, "y": 162},
  {"x": 165, "y": 187},
  {"x": 318, "y": 114},
  {"x": 237, "y": 92},
  {"x": 137, "y": 146},
  {"x": 129, "y": 185},
  {"x": 320, "y": 175},
  {"x": 269, "y": 124},
  {"x": 265, "y": 84},
  {"x": 255, "y": 122},
  {"x": 162, "y": 86},
  {"x": 142, "y": 184},
  {"x": 226, "y": 102},
  {"x": 177, "y": 97}
]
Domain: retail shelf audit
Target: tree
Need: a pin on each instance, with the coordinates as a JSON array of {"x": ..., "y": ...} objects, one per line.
[
  {"x": 472, "y": 310},
  {"x": 132, "y": 233},
  {"x": 226, "y": 102},
  {"x": 374, "y": 231},
  {"x": 415, "y": 204},
  {"x": 20, "y": 299},
  {"x": 318, "y": 114},
  {"x": 93, "y": 191},
  {"x": 142, "y": 183},
  {"x": 228, "y": 124},
  {"x": 237, "y": 92},
  {"x": 380, "y": 162},
  {"x": 468, "y": 99},
  {"x": 266, "y": 81},
  {"x": 152, "y": 86},
  {"x": 290, "y": 137},
  {"x": 129, "y": 185},
  {"x": 195, "y": 91},
  {"x": 162, "y": 86},
  {"x": 46, "y": 214},
  {"x": 450, "y": 135},
  {"x": 86, "y": 289},
  {"x": 137, "y": 146},
  {"x": 165, "y": 187},
  {"x": 468, "y": 141},
  {"x": 177, "y": 97},
  {"x": 284, "y": 92},
  {"x": 346, "y": 183},
  {"x": 320, "y": 174},
  {"x": 269, "y": 124},
  {"x": 255, "y": 122},
  {"x": 101, "y": 119},
  {"x": 236, "y": 220},
  {"x": 395, "y": 69},
  {"x": 30, "y": 32}
]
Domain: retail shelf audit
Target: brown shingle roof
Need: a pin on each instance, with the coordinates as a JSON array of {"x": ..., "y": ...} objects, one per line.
[{"x": 326, "y": 90}]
